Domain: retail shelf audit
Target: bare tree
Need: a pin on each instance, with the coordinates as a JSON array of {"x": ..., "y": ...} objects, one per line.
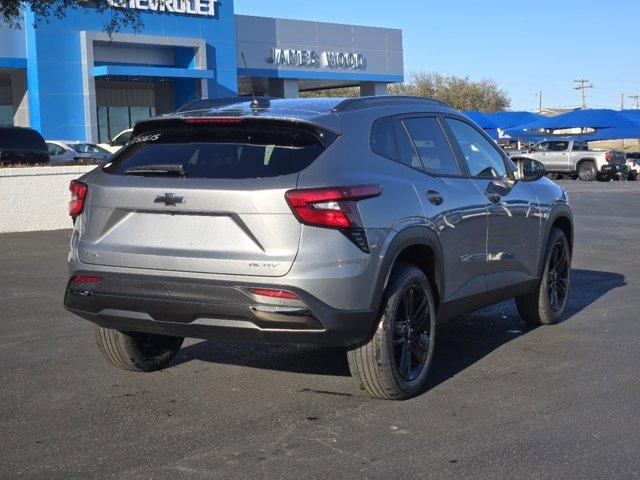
[{"x": 118, "y": 18}]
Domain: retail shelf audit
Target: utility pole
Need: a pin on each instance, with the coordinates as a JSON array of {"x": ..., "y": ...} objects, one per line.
[
  {"x": 636, "y": 101},
  {"x": 582, "y": 85},
  {"x": 622, "y": 101},
  {"x": 539, "y": 95}
]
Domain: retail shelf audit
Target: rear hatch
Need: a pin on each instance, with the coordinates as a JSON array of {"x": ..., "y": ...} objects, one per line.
[{"x": 201, "y": 196}]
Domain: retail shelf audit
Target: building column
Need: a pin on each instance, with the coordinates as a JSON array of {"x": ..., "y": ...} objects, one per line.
[
  {"x": 284, "y": 88},
  {"x": 371, "y": 89},
  {"x": 20, "y": 98}
]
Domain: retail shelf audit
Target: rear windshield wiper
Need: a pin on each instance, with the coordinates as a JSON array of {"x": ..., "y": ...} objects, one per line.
[{"x": 157, "y": 169}]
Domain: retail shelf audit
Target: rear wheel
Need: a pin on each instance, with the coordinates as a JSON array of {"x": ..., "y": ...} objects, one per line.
[
  {"x": 136, "y": 351},
  {"x": 547, "y": 303},
  {"x": 395, "y": 363},
  {"x": 587, "y": 171}
]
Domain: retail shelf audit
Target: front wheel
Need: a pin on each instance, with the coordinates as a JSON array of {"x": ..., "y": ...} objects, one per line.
[
  {"x": 547, "y": 303},
  {"x": 136, "y": 351},
  {"x": 395, "y": 363}
]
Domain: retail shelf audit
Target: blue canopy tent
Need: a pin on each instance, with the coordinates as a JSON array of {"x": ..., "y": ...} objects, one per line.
[
  {"x": 504, "y": 120},
  {"x": 601, "y": 124},
  {"x": 484, "y": 121},
  {"x": 633, "y": 115}
]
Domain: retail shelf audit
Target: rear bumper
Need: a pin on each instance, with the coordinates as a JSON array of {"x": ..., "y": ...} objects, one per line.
[
  {"x": 612, "y": 168},
  {"x": 213, "y": 310}
]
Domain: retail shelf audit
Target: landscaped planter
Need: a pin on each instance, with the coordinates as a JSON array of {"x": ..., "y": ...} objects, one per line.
[{"x": 36, "y": 198}]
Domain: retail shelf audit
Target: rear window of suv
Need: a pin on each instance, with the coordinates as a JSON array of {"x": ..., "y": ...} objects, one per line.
[{"x": 233, "y": 151}]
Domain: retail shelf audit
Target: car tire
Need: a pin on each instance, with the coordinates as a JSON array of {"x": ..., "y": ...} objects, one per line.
[
  {"x": 137, "y": 352},
  {"x": 394, "y": 363},
  {"x": 540, "y": 307},
  {"x": 587, "y": 171},
  {"x": 624, "y": 174}
]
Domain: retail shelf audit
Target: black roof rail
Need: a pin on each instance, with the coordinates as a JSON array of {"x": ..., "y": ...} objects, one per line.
[{"x": 357, "y": 103}]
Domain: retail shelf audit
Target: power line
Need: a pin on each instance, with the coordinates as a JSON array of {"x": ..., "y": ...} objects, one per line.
[{"x": 583, "y": 85}]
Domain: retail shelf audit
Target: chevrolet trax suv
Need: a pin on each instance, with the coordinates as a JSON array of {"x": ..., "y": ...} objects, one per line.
[{"x": 358, "y": 223}]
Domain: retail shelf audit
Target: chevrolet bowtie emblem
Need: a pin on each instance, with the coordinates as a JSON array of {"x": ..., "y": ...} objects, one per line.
[{"x": 169, "y": 199}]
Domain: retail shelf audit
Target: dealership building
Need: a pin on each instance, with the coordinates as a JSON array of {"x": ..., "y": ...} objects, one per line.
[{"x": 69, "y": 80}]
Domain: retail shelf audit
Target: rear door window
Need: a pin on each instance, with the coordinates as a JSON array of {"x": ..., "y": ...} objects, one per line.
[
  {"x": 432, "y": 146},
  {"x": 220, "y": 151}
]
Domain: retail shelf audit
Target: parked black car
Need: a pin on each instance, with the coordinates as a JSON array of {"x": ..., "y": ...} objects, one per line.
[{"x": 20, "y": 145}]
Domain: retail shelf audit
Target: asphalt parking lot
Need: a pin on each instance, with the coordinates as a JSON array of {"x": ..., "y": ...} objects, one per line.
[{"x": 505, "y": 401}]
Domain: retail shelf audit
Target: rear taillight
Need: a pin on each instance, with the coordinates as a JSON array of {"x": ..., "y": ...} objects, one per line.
[
  {"x": 274, "y": 293},
  {"x": 607, "y": 156},
  {"x": 334, "y": 207},
  {"x": 86, "y": 279},
  {"x": 78, "y": 195}
]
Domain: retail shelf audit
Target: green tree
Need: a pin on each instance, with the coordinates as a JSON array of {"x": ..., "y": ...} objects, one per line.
[
  {"x": 332, "y": 92},
  {"x": 44, "y": 10},
  {"x": 461, "y": 93}
]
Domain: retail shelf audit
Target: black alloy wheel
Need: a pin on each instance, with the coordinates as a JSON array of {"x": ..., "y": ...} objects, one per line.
[
  {"x": 411, "y": 333},
  {"x": 558, "y": 276}
]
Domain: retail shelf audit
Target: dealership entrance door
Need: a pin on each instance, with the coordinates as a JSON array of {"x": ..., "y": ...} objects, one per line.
[{"x": 122, "y": 103}]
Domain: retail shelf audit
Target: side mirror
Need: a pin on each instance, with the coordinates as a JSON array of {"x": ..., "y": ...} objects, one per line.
[{"x": 529, "y": 170}]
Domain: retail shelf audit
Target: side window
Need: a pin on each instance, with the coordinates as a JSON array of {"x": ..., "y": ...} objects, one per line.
[
  {"x": 541, "y": 147},
  {"x": 122, "y": 139},
  {"x": 483, "y": 160},
  {"x": 559, "y": 146},
  {"x": 55, "y": 149},
  {"x": 580, "y": 147},
  {"x": 432, "y": 146},
  {"x": 383, "y": 139}
]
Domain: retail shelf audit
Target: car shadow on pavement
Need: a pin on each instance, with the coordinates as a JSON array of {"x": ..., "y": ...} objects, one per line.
[
  {"x": 465, "y": 340},
  {"x": 461, "y": 342}
]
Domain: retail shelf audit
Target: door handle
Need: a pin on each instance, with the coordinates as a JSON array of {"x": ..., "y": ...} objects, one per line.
[
  {"x": 435, "y": 197},
  {"x": 494, "y": 197}
]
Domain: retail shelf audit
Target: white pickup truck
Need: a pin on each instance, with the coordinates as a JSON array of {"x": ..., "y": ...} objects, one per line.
[{"x": 574, "y": 158}]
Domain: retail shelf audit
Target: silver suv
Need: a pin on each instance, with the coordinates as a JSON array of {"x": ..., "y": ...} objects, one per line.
[{"x": 359, "y": 223}]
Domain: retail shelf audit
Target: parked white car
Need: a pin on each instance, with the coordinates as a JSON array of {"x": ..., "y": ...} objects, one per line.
[
  {"x": 119, "y": 141},
  {"x": 633, "y": 162},
  {"x": 66, "y": 151}
]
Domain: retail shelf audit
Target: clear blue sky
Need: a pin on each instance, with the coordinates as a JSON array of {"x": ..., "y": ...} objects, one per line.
[{"x": 524, "y": 45}]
